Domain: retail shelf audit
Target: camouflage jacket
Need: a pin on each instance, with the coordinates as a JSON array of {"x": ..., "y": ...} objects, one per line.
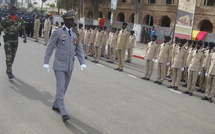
[{"x": 11, "y": 28}]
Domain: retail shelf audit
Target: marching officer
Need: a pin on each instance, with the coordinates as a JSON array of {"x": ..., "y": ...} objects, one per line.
[
  {"x": 151, "y": 54},
  {"x": 11, "y": 26},
  {"x": 65, "y": 43},
  {"x": 122, "y": 46}
]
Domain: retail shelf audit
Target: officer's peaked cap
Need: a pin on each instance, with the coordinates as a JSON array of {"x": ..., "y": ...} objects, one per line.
[{"x": 69, "y": 15}]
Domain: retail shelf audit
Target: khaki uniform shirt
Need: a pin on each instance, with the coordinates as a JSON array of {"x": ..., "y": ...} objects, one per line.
[
  {"x": 196, "y": 60},
  {"x": 179, "y": 57},
  {"x": 113, "y": 40},
  {"x": 164, "y": 53},
  {"x": 47, "y": 25},
  {"x": 211, "y": 64},
  {"x": 87, "y": 37},
  {"x": 189, "y": 55},
  {"x": 93, "y": 36},
  {"x": 37, "y": 25},
  {"x": 206, "y": 59},
  {"x": 132, "y": 41},
  {"x": 99, "y": 39},
  {"x": 174, "y": 48},
  {"x": 106, "y": 36},
  {"x": 123, "y": 40},
  {"x": 152, "y": 50},
  {"x": 81, "y": 34}
]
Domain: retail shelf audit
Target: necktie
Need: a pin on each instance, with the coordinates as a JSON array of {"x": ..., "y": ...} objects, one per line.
[
  {"x": 196, "y": 51},
  {"x": 69, "y": 32}
]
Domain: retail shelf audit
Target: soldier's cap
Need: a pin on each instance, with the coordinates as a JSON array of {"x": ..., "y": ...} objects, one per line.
[
  {"x": 132, "y": 31},
  {"x": 154, "y": 36},
  {"x": 183, "y": 41},
  {"x": 190, "y": 41},
  {"x": 12, "y": 7},
  {"x": 124, "y": 23},
  {"x": 70, "y": 15},
  {"x": 211, "y": 44},
  {"x": 100, "y": 27},
  {"x": 205, "y": 43},
  {"x": 176, "y": 38},
  {"x": 105, "y": 27},
  {"x": 199, "y": 43},
  {"x": 80, "y": 25},
  {"x": 167, "y": 37},
  {"x": 114, "y": 28}
]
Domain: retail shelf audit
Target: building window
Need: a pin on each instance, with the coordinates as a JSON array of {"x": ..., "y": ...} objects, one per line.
[
  {"x": 169, "y": 1},
  {"x": 209, "y": 2},
  {"x": 151, "y": 1}
]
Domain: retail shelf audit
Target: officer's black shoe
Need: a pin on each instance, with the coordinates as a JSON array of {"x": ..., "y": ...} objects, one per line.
[
  {"x": 56, "y": 109},
  {"x": 65, "y": 118},
  {"x": 143, "y": 78},
  {"x": 210, "y": 100},
  {"x": 202, "y": 91},
  {"x": 147, "y": 79},
  {"x": 185, "y": 92},
  {"x": 199, "y": 90},
  {"x": 175, "y": 88},
  {"x": 96, "y": 62},
  {"x": 156, "y": 81},
  {"x": 185, "y": 85},
  {"x": 120, "y": 70},
  {"x": 93, "y": 61},
  {"x": 86, "y": 58},
  {"x": 169, "y": 80},
  {"x": 10, "y": 75},
  {"x": 116, "y": 69},
  {"x": 170, "y": 86},
  {"x": 191, "y": 94},
  {"x": 204, "y": 98},
  {"x": 159, "y": 83}
]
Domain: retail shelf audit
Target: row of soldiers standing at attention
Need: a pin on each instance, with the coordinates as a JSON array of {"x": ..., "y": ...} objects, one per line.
[
  {"x": 192, "y": 62},
  {"x": 95, "y": 39}
]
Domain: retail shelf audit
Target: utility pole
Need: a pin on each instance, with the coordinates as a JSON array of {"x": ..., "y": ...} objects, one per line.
[{"x": 138, "y": 11}]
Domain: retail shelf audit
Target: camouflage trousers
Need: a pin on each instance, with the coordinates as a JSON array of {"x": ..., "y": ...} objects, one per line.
[{"x": 10, "y": 48}]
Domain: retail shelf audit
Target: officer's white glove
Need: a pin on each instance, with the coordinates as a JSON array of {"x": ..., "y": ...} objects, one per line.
[
  {"x": 46, "y": 67},
  {"x": 126, "y": 52},
  {"x": 116, "y": 48},
  {"x": 167, "y": 63},
  {"x": 153, "y": 60},
  {"x": 206, "y": 74},
  {"x": 100, "y": 47},
  {"x": 199, "y": 73},
  {"x": 172, "y": 66},
  {"x": 182, "y": 69},
  {"x": 156, "y": 61},
  {"x": 83, "y": 66}
]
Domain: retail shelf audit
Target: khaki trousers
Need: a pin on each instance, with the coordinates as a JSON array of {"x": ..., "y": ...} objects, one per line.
[
  {"x": 161, "y": 71},
  {"x": 176, "y": 77},
  {"x": 203, "y": 80},
  {"x": 130, "y": 53},
  {"x": 92, "y": 49},
  {"x": 87, "y": 47},
  {"x": 103, "y": 50},
  {"x": 112, "y": 54},
  {"x": 46, "y": 37},
  {"x": 210, "y": 88},
  {"x": 97, "y": 53},
  {"x": 185, "y": 74},
  {"x": 109, "y": 52},
  {"x": 36, "y": 34},
  {"x": 121, "y": 59},
  {"x": 191, "y": 82},
  {"x": 149, "y": 68}
]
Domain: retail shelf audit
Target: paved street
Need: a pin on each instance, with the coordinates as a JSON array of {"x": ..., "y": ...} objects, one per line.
[{"x": 99, "y": 100}]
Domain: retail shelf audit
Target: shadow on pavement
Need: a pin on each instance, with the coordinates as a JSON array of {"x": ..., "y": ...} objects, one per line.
[
  {"x": 79, "y": 127},
  {"x": 30, "y": 92}
]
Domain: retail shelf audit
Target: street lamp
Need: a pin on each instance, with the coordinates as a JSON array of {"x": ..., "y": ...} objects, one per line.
[{"x": 43, "y": 1}]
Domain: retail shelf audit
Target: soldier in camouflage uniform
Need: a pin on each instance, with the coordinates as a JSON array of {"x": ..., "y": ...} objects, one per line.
[{"x": 11, "y": 26}]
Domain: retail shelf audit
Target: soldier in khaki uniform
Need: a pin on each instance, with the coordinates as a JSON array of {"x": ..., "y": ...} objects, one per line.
[
  {"x": 98, "y": 44},
  {"x": 112, "y": 42},
  {"x": 92, "y": 40},
  {"x": 151, "y": 55},
  {"x": 122, "y": 46},
  {"x": 131, "y": 45},
  {"x": 81, "y": 33},
  {"x": 210, "y": 88},
  {"x": 203, "y": 78},
  {"x": 105, "y": 41},
  {"x": 194, "y": 68},
  {"x": 163, "y": 59},
  {"x": 36, "y": 28},
  {"x": 178, "y": 63},
  {"x": 189, "y": 55},
  {"x": 46, "y": 29},
  {"x": 87, "y": 41}
]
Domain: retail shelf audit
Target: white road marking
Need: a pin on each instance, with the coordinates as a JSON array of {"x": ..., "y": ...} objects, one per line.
[
  {"x": 132, "y": 76},
  {"x": 100, "y": 65},
  {"x": 175, "y": 91}
]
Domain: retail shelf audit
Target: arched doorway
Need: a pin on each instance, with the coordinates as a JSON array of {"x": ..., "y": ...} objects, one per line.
[
  {"x": 149, "y": 20},
  {"x": 90, "y": 14},
  {"x": 131, "y": 18},
  {"x": 100, "y": 14},
  {"x": 205, "y": 25},
  {"x": 165, "y": 21},
  {"x": 108, "y": 15},
  {"x": 121, "y": 17}
]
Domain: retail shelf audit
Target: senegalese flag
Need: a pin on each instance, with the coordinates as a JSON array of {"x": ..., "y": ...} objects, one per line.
[
  {"x": 101, "y": 21},
  {"x": 198, "y": 35}
]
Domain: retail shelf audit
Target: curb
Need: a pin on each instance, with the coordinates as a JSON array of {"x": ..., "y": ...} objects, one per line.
[{"x": 139, "y": 57}]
